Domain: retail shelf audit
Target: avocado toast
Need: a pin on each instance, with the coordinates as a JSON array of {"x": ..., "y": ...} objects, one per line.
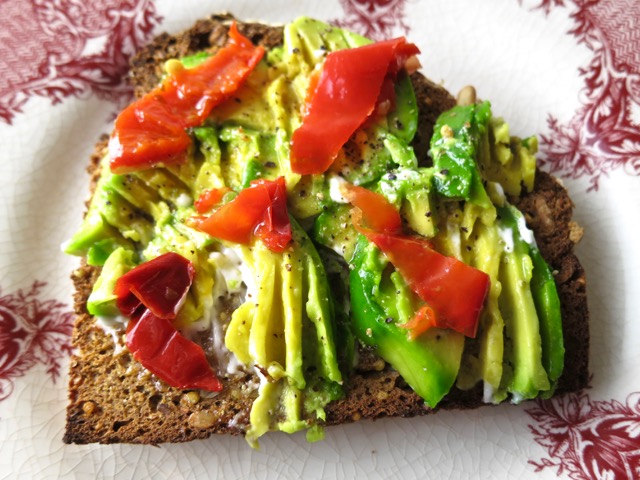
[{"x": 113, "y": 398}]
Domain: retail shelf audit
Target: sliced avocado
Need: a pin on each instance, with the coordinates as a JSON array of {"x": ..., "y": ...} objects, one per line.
[
  {"x": 109, "y": 217},
  {"x": 249, "y": 106},
  {"x": 248, "y": 155},
  {"x": 483, "y": 357},
  {"x": 401, "y": 153},
  {"x": 396, "y": 298},
  {"x": 168, "y": 186},
  {"x": 523, "y": 351},
  {"x": 282, "y": 154},
  {"x": 195, "y": 59},
  {"x": 337, "y": 270},
  {"x": 545, "y": 297},
  {"x": 199, "y": 239},
  {"x": 291, "y": 404},
  {"x": 507, "y": 160},
  {"x": 417, "y": 211},
  {"x": 286, "y": 326},
  {"x": 252, "y": 170},
  {"x": 266, "y": 165},
  {"x": 308, "y": 197},
  {"x": 118, "y": 212},
  {"x": 334, "y": 229},
  {"x": 239, "y": 147},
  {"x": 365, "y": 157},
  {"x": 96, "y": 237},
  {"x": 291, "y": 293},
  {"x": 100, "y": 250},
  {"x": 263, "y": 411},
  {"x": 186, "y": 171},
  {"x": 510, "y": 362},
  {"x": 454, "y": 147},
  {"x": 314, "y": 38},
  {"x": 210, "y": 174},
  {"x": 430, "y": 363},
  {"x": 354, "y": 39},
  {"x": 320, "y": 311},
  {"x": 102, "y": 301},
  {"x": 410, "y": 189},
  {"x": 403, "y": 120},
  {"x": 136, "y": 192},
  {"x": 284, "y": 98}
]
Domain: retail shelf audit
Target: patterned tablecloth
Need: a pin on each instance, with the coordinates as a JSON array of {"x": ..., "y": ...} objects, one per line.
[{"x": 568, "y": 70}]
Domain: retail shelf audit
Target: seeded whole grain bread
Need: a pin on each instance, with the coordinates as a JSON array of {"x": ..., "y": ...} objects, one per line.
[{"x": 113, "y": 399}]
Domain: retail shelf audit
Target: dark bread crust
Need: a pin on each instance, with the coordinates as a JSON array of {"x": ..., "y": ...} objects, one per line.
[{"x": 112, "y": 399}]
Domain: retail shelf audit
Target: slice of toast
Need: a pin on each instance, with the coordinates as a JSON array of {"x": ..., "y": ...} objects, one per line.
[{"x": 113, "y": 399}]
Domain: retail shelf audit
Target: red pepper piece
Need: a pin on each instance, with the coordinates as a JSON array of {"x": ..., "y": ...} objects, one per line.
[
  {"x": 345, "y": 96},
  {"x": 151, "y": 294},
  {"x": 160, "y": 285},
  {"x": 454, "y": 290},
  {"x": 275, "y": 229},
  {"x": 161, "y": 349},
  {"x": 381, "y": 215},
  {"x": 151, "y": 130},
  {"x": 144, "y": 135},
  {"x": 259, "y": 210},
  {"x": 210, "y": 198}
]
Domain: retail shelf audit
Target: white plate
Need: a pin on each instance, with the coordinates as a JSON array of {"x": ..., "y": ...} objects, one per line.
[{"x": 568, "y": 70}]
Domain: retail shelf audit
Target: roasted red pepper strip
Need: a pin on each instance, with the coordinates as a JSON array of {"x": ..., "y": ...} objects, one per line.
[
  {"x": 161, "y": 349},
  {"x": 209, "y": 199},
  {"x": 151, "y": 295},
  {"x": 381, "y": 216},
  {"x": 345, "y": 96},
  {"x": 259, "y": 210},
  {"x": 455, "y": 291},
  {"x": 152, "y": 130},
  {"x": 160, "y": 285}
]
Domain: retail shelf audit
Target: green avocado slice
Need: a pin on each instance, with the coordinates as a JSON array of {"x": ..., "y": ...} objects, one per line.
[
  {"x": 523, "y": 347},
  {"x": 102, "y": 301},
  {"x": 430, "y": 363},
  {"x": 287, "y": 328},
  {"x": 545, "y": 298}
]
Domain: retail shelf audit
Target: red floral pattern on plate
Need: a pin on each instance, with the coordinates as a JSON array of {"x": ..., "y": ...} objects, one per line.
[
  {"x": 60, "y": 48},
  {"x": 604, "y": 134},
  {"x": 32, "y": 331},
  {"x": 589, "y": 439},
  {"x": 585, "y": 438},
  {"x": 375, "y": 19}
]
